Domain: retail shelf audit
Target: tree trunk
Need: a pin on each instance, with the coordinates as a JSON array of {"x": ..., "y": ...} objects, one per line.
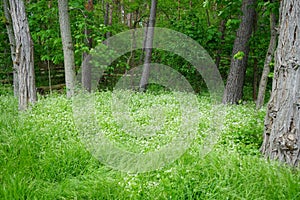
[
  {"x": 235, "y": 81},
  {"x": 65, "y": 30},
  {"x": 268, "y": 59},
  {"x": 129, "y": 20},
  {"x": 24, "y": 60},
  {"x": 148, "y": 49},
  {"x": 255, "y": 79},
  {"x": 108, "y": 18},
  {"x": 178, "y": 8},
  {"x": 219, "y": 51},
  {"x": 12, "y": 42},
  {"x": 282, "y": 122},
  {"x": 255, "y": 63},
  {"x": 86, "y": 78},
  {"x": 207, "y": 18}
]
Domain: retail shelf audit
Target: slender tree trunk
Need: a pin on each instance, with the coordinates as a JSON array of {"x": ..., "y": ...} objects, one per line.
[
  {"x": 178, "y": 8},
  {"x": 24, "y": 60},
  {"x": 86, "y": 78},
  {"x": 12, "y": 42},
  {"x": 146, "y": 24},
  {"x": 105, "y": 12},
  {"x": 219, "y": 52},
  {"x": 255, "y": 79},
  {"x": 65, "y": 30},
  {"x": 108, "y": 18},
  {"x": 282, "y": 122},
  {"x": 235, "y": 81},
  {"x": 149, "y": 43},
  {"x": 255, "y": 64},
  {"x": 207, "y": 17},
  {"x": 268, "y": 59},
  {"x": 129, "y": 20},
  {"x": 122, "y": 14}
]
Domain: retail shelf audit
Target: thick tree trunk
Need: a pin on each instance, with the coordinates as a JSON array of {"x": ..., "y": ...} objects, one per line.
[
  {"x": 65, "y": 30},
  {"x": 23, "y": 55},
  {"x": 268, "y": 59},
  {"x": 149, "y": 43},
  {"x": 235, "y": 81},
  {"x": 282, "y": 122},
  {"x": 12, "y": 42}
]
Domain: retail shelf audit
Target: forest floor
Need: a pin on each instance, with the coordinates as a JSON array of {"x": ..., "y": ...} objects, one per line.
[{"x": 43, "y": 155}]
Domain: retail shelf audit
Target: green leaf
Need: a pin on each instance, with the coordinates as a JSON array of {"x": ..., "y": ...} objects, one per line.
[
  {"x": 239, "y": 55},
  {"x": 271, "y": 75}
]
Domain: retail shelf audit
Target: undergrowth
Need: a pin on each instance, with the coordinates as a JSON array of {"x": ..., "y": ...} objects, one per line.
[{"x": 43, "y": 157}]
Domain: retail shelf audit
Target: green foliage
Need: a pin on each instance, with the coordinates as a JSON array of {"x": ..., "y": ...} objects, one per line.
[
  {"x": 239, "y": 55},
  {"x": 5, "y": 60},
  {"x": 200, "y": 20},
  {"x": 243, "y": 129},
  {"x": 5, "y": 89},
  {"x": 43, "y": 158},
  {"x": 45, "y": 32}
]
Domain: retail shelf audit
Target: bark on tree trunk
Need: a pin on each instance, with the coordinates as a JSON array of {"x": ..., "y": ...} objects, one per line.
[
  {"x": 146, "y": 24},
  {"x": 207, "y": 18},
  {"x": 12, "y": 42},
  {"x": 235, "y": 81},
  {"x": 106, "y": 10},
  {"x": 268, "y": 59},
  {"x": 86, "y": 78},
  {"x": 219, "y": 52},
  {"x": 149, "y": 43},
  {"x": 178, "y": 8},
  {"x": 108, "y": 18},
  {"x": 255, "y": 63},
  {"x": 282, "y": 122},
  {"x": 65, "y": 30},
  {"x": 24, "y": 54},
  {"x": 255, "y": 79}
]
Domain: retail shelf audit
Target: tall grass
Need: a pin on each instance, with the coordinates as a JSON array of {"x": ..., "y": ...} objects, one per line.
[{"x": 42, "y": 157}]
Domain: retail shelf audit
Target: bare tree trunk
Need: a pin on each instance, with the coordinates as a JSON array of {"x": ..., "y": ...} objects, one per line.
[
  {"x": 222, "y": 30},
  {"x": 122, "y": 14},
  {"x": 86, "y": 78},
  {"x": 24, "y": 54},
  {"x": 178, "y": 8},
  {"x": 65, "y": 30},
  {"x": 108, "y": 18},
  {"x": 255, "y": 79},
  {"x": 105, "y": 10},
  {"x": 146, "y": 24},
  {"x": 255, "y": 63},
  {"x": 12, "y": 42},
  {"x": 208, "y": 18},
  {"x": 268, "y": 59},
  {"x": 129, "y": 20},
  {"x": 149, "y": 43},
  {"x": 235, "y": 81},
  {"x": 282, "y": 122}
]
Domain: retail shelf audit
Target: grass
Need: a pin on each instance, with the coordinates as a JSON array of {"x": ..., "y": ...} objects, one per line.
[{"x": 42, "y": 155}]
